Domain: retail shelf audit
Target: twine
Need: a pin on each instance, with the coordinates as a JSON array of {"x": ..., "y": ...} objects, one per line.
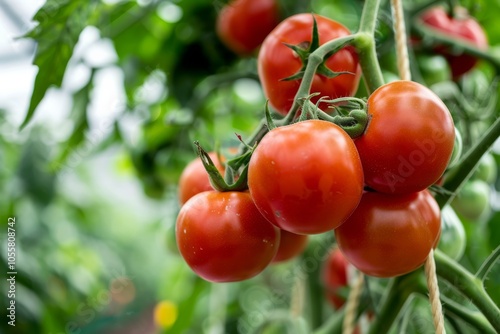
[
  {"x": 432, "y": 285},
  {"x": 351, "y": 306}
]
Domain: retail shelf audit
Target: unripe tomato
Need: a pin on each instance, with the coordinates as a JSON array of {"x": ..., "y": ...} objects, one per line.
[
  {"x": 473, "y": 200},
  {"x": 291, "y": 245},
  {"x": 334, "y": 276},
  {"x": 242, "y": 25},
  {"x": 223, "y": 237},
  {"x": 434, "y": 68},
  {"x": 464, "y": 28},
  {"x": 389, "y": 235},
  {"x": 409, "y": 138},
  {"x": 486, "y": 169},
  {"x": 306, "y": 178},
  {"x": 452, "y": 241},
  {"x": 276, "y": 61},
  {"x": 194, "y": 178}
]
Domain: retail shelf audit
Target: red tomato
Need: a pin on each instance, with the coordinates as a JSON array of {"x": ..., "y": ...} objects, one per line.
[
  {"x": 306, "y": 178},
  {"x": 223, "y": 237},
  {"x": 277, "y": 61},
  {"x": 388, "y": 235},
  {"x": 194, "y": 178},
  {"x": 291, "y": 245},
  {"x": 334, "y": 276},
  {"x": 465, "y": 28},
  {"x": 242, "y": 25},
  {"x": 409, "y": 138}
]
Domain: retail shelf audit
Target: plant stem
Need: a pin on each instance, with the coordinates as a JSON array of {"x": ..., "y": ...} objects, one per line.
[
  {"x": 369, "y": 16},
  {"x": 397, "y": 293},
  {"x": 473, "y": 318},
  {"x": 487, "y": 265},
  {"x": 365, "y": 45},
  {"x": 314, "y": 288},
  {"x": 468, "y": 285},
  {"x": 465, "y": 168},
  {"x": 314, "y": 60}
]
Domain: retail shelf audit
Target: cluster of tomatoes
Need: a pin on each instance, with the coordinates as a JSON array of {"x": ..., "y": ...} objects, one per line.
[{"x": 311, "y": 177}]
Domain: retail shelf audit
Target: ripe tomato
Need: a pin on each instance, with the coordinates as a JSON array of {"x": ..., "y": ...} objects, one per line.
[
  {"x": 464, "y": 28},
  {"x": 194, "y": 178},
  {"x": 291, "y": 245},
  {"x": 223, "y": 237},
  {"x": 276, "y": 61},
  {"x": 390, "y": 235},
  {"x": 242, "y": 25},
  {"x": 409, "y": 138},
  {"x": 306, "y": 178},
  {"x": 334, "y": 275}
]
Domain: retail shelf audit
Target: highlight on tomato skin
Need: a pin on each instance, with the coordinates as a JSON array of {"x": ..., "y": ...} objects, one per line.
[
  {"x": 194, "y": 178},
  {"x": 306, "y": 178},
  {"x": 242, "y": 25},
  {"x": 276, "y": 61},
  {"x": 390, "y": 235},
  {"x": 224, "y": 238}
]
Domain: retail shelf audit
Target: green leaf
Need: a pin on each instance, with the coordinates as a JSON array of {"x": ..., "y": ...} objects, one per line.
[{"x": 60, "y": 25}]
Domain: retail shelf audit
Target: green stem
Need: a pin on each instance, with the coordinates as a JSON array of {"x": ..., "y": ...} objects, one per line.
[
  {"x": 487, "y": 265},
  {"x": 314, "y": 288},
  {"x": 465, "y": 168},
  {"x": 369, "y": 16},
  {"x": 397, "y": 293},
  {"x": 315, "y": 59},
  {"x": 468, "y": 285},
  {"x": 473, "y": 318},
  {"x": 365, "y": 46}
]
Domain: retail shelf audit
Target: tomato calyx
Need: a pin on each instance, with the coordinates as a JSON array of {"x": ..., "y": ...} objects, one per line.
[
  {"x": 304, "y": 49},
  {"x": 352, "y": 116},
  {"x": 234, "y": 179}
]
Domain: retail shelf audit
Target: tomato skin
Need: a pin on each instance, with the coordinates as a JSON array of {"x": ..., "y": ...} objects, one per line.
[
  {"x": 334, "y": 276},
  {"x": 194, "y": 178},
  {"x": 223, "y": 237},
  {"x": 276, "y": 61},
  {"x": 388, "y": 235},
  {"x": 467, "y": 29},
  {"x": 242, "y": 25},
  {"x": 291, "y": 245},
  {"x": 409, "y": 138},
  {"x": 306, "y": 178}
]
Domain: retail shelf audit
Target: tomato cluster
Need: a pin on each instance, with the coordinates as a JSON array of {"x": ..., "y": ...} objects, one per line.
[{"x": 309, "y": 176}]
